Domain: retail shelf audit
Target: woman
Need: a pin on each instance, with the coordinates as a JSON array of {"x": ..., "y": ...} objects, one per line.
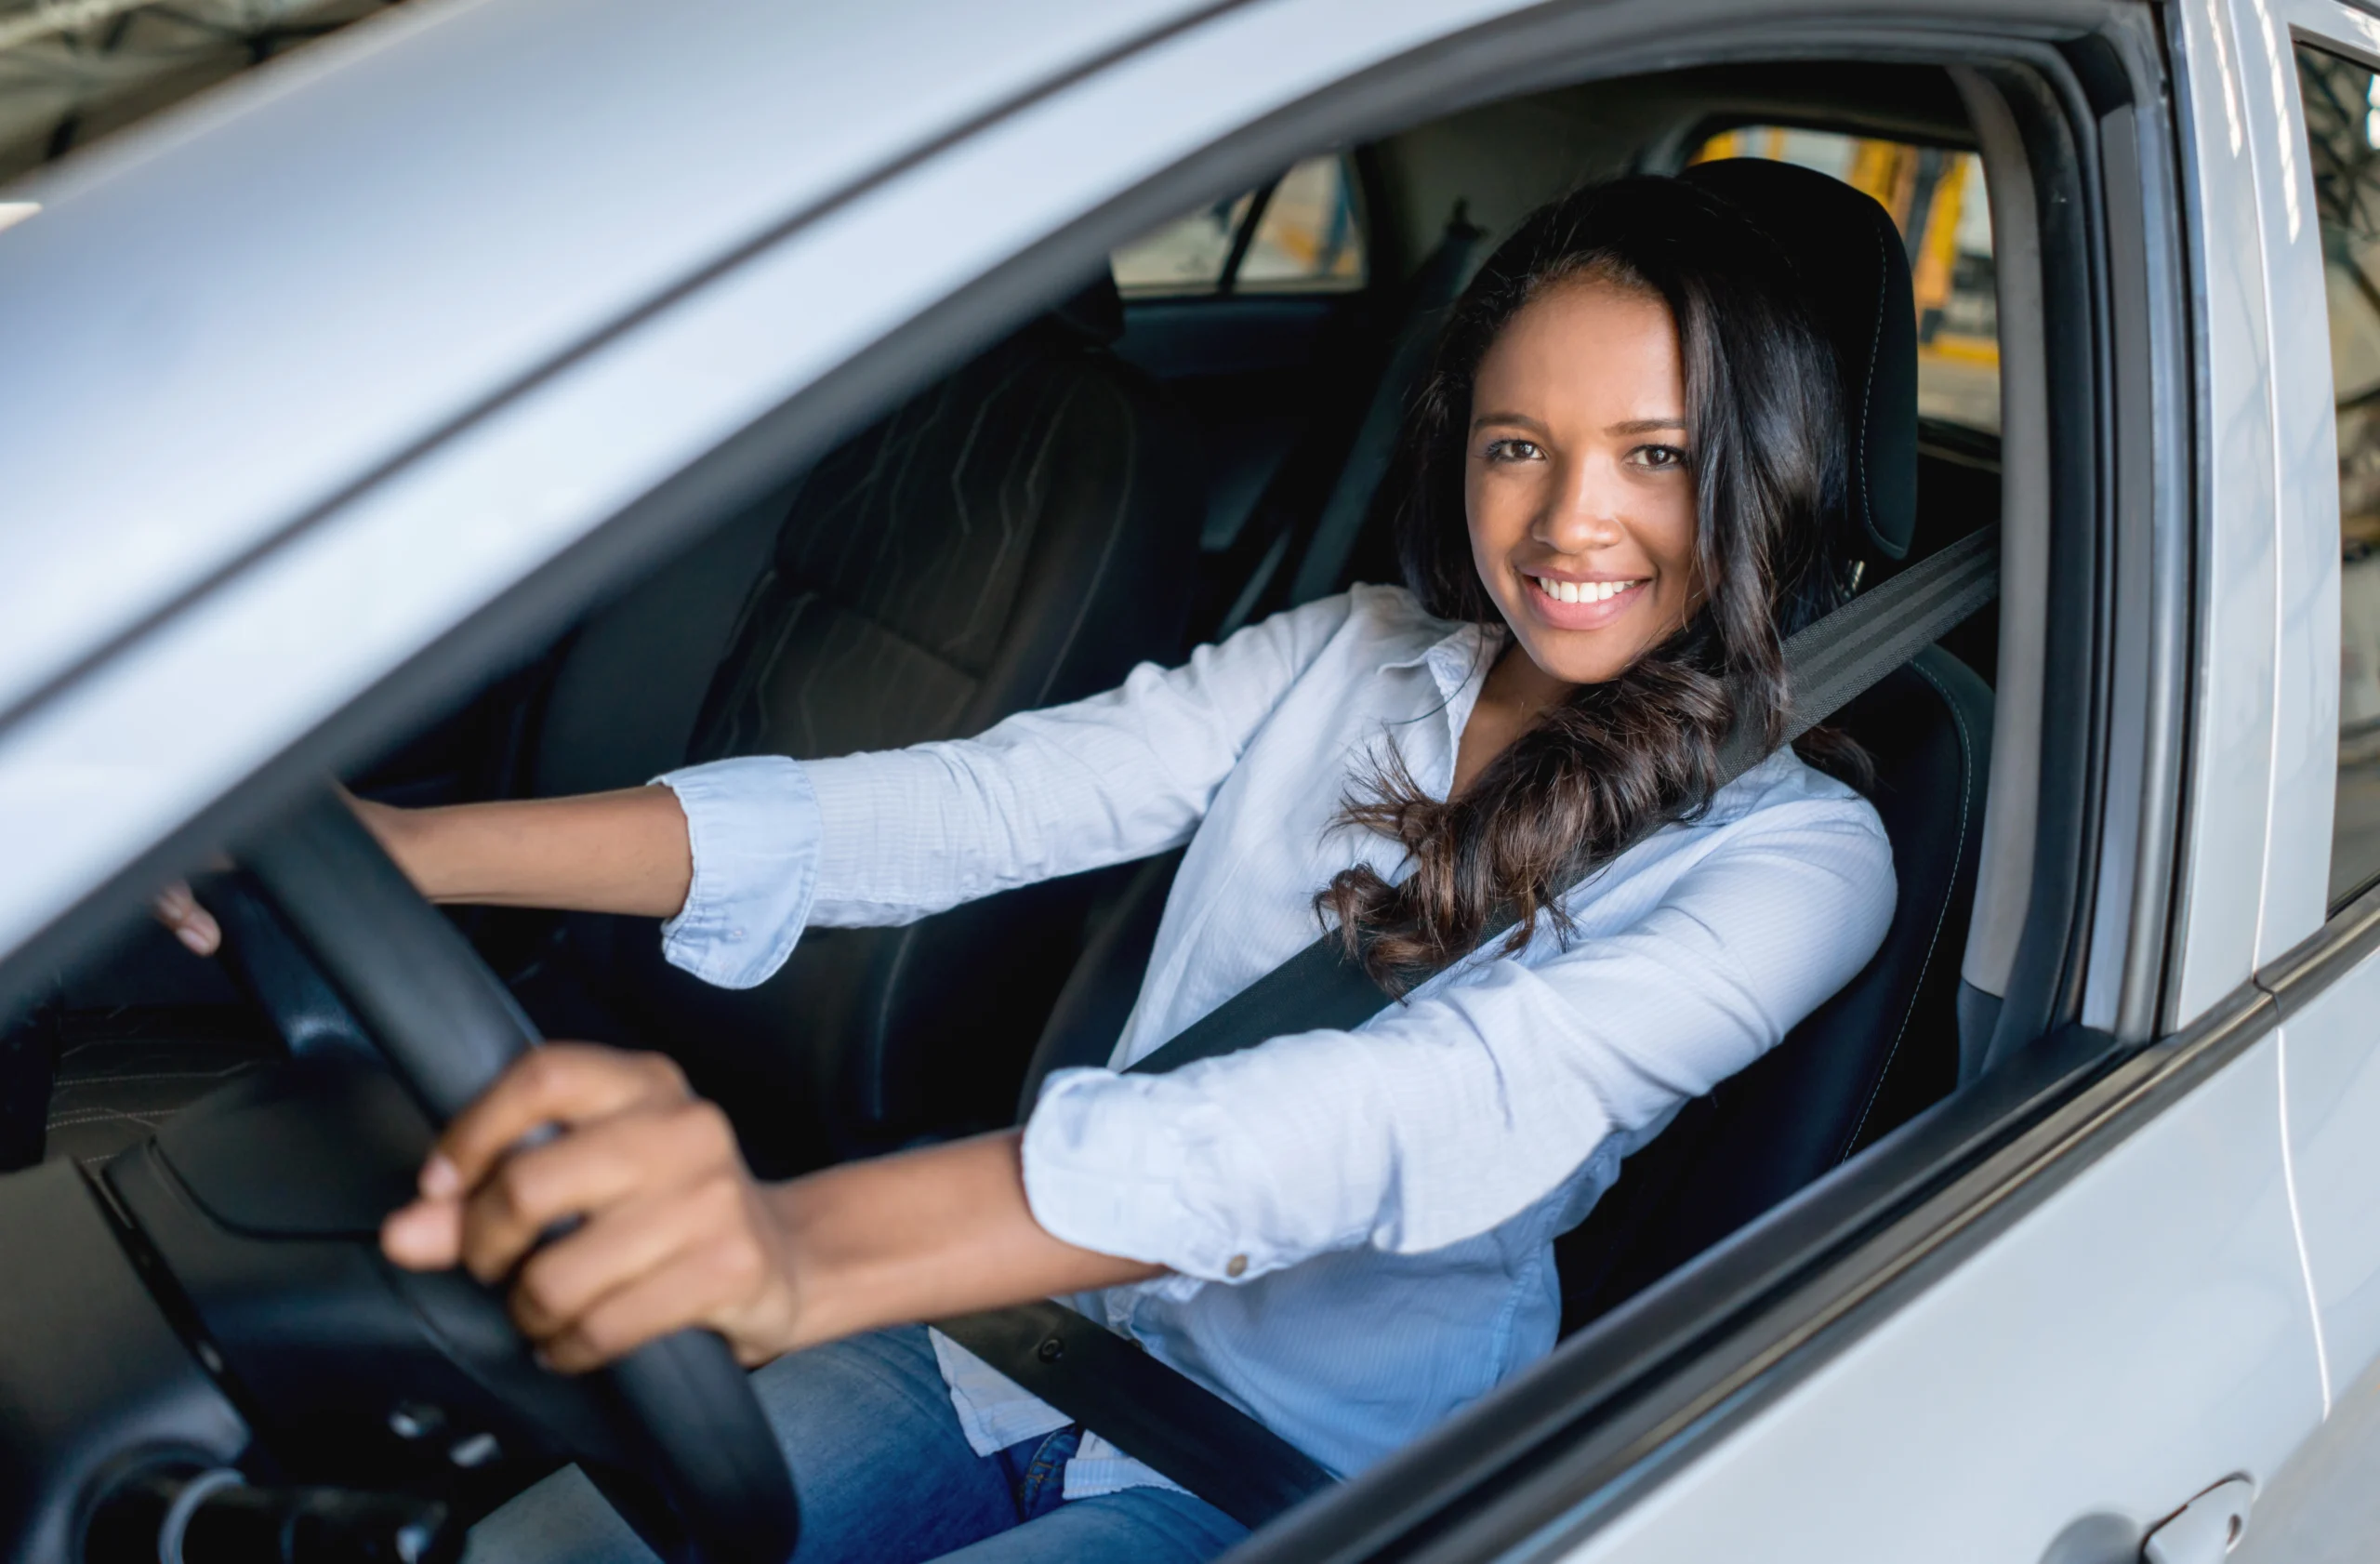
[{"x": 1614, "y": 495}]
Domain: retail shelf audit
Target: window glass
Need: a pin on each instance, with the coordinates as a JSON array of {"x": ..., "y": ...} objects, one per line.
[
  {"x": 2343, "y": 127},
  {"x": 1936, "y": 196},
  {"x": 1306, "y": 240},
  {"x": 1185, "y": 256}
]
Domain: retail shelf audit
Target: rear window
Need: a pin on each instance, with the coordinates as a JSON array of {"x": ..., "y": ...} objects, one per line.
[
  {"x": 1298, "y": 234},
  {"x": 2342, "y": 99},
  {"x": 1936, "y": 197}
]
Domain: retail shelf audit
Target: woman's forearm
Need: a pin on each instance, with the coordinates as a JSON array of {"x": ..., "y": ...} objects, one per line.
[
  {"x": 673, "y": 1230},
  {"x": 925, "y": 1234},
  {"x": 618, "y": 851}
]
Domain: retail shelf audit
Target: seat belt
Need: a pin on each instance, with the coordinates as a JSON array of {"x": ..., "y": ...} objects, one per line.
[{"x": 1180, "y": 1428}]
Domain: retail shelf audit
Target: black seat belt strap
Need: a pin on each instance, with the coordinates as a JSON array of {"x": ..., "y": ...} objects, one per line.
[
  {"x": 1179, "y": 1427},
  {"x": 1172, "y": 1424}
]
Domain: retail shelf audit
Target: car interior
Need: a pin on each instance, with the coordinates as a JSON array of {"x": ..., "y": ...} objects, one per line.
[{"x": 1167, "y": 453}]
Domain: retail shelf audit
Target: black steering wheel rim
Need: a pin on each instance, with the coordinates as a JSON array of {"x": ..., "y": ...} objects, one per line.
[{"x": 447, "y": 1027}]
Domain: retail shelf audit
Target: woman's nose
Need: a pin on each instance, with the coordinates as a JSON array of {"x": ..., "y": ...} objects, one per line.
[{"x": 1585, "y": 515}]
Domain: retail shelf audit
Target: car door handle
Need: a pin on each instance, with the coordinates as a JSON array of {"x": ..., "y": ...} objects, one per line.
[{"x": 2203, "y": 1530}]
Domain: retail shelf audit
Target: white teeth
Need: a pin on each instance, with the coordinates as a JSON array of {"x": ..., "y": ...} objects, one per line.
[{"x": 1581, "y": 592}]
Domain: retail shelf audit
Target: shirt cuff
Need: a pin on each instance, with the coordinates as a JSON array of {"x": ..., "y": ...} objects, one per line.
[
  {"x": 752, "y": 826},
  {"x": 1147, "y": 1169}
]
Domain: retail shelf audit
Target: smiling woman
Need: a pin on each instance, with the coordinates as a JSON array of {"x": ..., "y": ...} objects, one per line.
[{"x": 1624, "y": 459}]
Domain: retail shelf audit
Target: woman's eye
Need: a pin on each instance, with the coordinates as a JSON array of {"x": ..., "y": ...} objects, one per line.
[
  {"x": 1512, "y": 450},
  {"x": 1659, "y": 456}
]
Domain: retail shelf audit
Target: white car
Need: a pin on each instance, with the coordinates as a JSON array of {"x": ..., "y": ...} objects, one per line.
[{"x": 512, "y": 396}]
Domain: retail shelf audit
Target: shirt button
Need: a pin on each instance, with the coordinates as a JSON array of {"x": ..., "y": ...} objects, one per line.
[
  {"x": 735, "y": 937},
  {"x": 1237, "y": 1267}
]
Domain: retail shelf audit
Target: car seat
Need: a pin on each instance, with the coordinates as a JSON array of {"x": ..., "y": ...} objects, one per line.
[
  {"x": 1021, "y": 533},
  {"x": 1886, "y": 1044}
]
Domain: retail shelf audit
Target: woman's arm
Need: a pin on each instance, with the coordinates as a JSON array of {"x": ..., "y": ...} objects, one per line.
[
  {"x": 747, "y": 853},
  {"x": 618, "y": 851},
  {"x": 675, "y": 1232}
]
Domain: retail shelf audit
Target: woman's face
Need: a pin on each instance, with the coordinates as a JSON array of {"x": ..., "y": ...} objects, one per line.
[{"x": 1580, "y": 501}]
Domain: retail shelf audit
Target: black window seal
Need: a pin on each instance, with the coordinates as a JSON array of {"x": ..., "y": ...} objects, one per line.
[{"x": 1258, "y": 201}]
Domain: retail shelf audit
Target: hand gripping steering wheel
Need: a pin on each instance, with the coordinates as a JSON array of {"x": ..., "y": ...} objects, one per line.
[{"x": 448, "y": 1028}]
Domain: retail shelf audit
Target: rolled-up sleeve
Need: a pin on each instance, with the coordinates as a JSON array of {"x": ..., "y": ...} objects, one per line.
[
  {"x": 752, "y": 828},
  {"x": 891, "y": 836},
  {"x": 1440, "y": 1118}
]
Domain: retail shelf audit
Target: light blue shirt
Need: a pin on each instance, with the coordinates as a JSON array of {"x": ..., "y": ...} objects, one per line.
[{"x": 1359, "y": 1224}]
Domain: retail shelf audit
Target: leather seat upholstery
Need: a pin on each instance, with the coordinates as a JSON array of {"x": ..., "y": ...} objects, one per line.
[{"x": 1020, "y": 534}]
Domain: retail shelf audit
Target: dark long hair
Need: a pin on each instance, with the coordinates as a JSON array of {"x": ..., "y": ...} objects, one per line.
[{"x": 1619, "y": 759}]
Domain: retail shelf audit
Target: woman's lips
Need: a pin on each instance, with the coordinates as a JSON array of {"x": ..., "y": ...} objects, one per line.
[{"x": 1583, "y": 615}]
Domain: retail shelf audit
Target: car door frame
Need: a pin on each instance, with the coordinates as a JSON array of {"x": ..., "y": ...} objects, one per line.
[
  {"x": 2325, "y": 975},
  {"x": 1800, "y": 1285}
]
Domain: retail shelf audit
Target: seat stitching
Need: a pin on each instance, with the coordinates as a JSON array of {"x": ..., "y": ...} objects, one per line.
[
  {"x": 1867, "y": 382},
  {"x": 1114, "y": 531},
  {"x": 1966, "y": 749},
  {"x": 64, "y": 1082},
  {"x": 106, "y": 1115}
]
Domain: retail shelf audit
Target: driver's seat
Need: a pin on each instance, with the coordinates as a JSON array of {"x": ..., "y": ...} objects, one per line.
[{"x": 1888, "y": 1044}]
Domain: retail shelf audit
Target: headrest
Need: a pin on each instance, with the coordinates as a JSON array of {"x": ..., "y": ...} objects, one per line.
[
  {"x": 1848, "y": 256},
  {"x": 1096, "y": 313}
]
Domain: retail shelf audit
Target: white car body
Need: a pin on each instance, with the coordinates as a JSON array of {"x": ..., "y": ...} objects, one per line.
[{"x": 455, "y": 310}]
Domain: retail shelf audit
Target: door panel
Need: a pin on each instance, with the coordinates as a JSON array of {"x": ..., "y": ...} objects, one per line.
[
  {"x": 2332, "y": 1071},
  {"x": 2140, "y": 1334}
]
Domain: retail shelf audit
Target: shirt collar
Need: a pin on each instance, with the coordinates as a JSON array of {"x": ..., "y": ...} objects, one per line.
[
  {"x": 1458, "y": 663},
  {"x": 1456, "y": 659}
]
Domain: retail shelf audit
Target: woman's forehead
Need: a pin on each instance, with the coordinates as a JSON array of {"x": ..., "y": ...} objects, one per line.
[{"x": 1587, "y": 343}]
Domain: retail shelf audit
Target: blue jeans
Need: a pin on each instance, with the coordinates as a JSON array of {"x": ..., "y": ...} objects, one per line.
[{"x": 887, "y": 1477}]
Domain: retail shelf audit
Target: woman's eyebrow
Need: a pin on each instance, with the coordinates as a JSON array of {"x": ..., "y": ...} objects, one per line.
[
  {"x": 1518, "y": 419},
  {"x": 1647, "y": 426}
]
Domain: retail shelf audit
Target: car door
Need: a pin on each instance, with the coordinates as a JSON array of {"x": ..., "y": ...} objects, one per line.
[{"x": 2072, "y": 1296}]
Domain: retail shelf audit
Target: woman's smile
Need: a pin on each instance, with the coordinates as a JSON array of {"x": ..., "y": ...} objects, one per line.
[{"x": 1583, "y": 602}]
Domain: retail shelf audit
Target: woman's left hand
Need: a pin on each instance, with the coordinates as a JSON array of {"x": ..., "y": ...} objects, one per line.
[{"x": 673, "y": 1230}]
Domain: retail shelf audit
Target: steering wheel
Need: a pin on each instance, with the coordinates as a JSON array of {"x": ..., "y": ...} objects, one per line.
[{"x": 447, "y": 1027}]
